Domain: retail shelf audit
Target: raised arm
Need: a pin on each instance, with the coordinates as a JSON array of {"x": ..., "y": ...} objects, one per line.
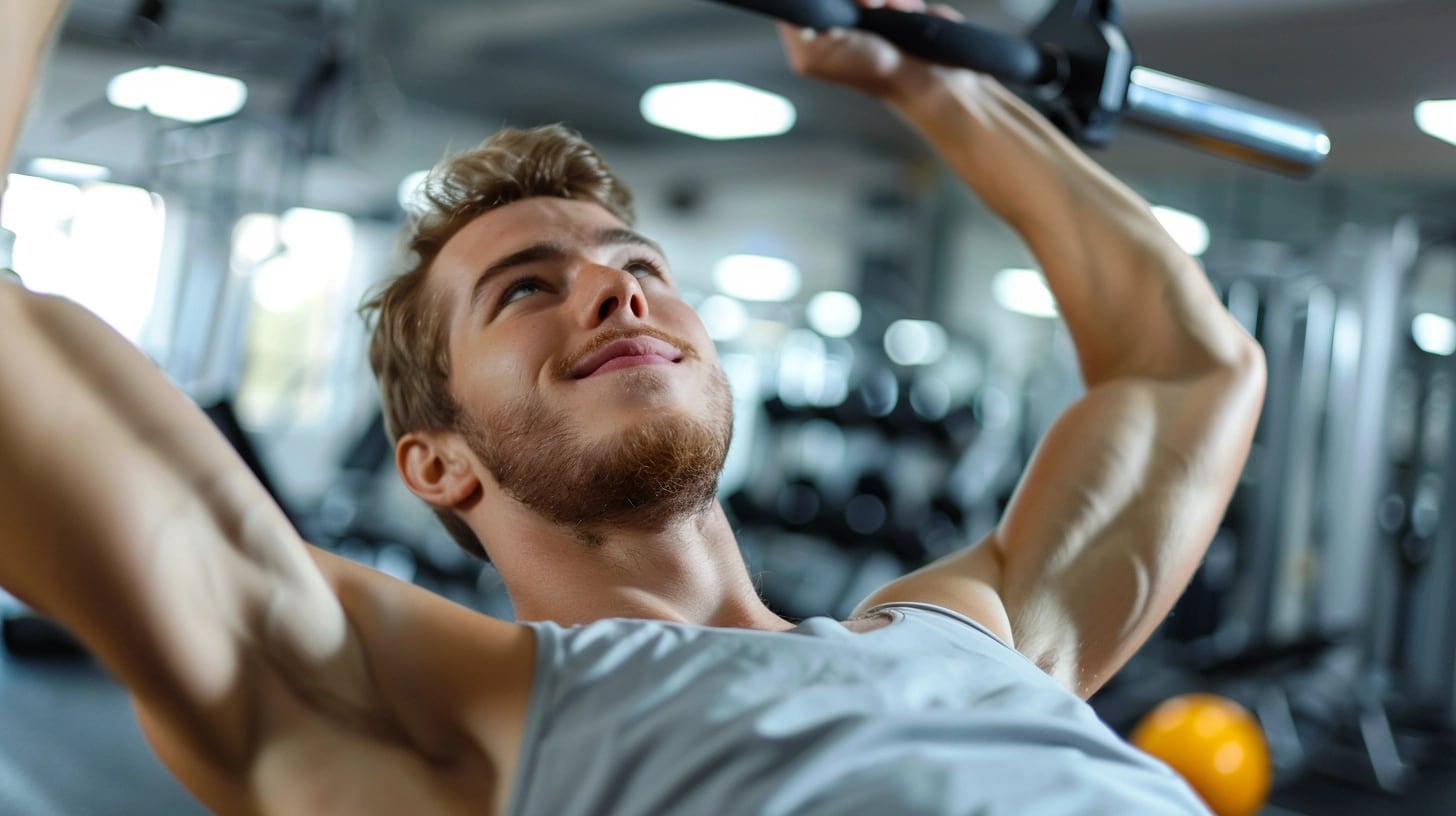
[
  {"x": 256, "y": 663},
  {"x": 23, "y": 38},
  {"x": 1124, "y": 493},
  {"x": 127, "y": 517}
]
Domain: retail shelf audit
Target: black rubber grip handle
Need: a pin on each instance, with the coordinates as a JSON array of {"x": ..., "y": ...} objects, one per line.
[
  {"x": 1010, "y": 59},
  {"x": 1204, "y": 117},
  {"x": 820, "y": 14},
  {"x": 932, "y": 38}
]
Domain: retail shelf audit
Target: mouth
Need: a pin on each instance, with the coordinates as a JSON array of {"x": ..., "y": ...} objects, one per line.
[{"x": 627, "y": 353}]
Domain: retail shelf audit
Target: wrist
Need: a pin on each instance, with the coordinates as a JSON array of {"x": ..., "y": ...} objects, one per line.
[
  {"x": 1012, "y": 159},
  {"x": 925, "y": 91}
]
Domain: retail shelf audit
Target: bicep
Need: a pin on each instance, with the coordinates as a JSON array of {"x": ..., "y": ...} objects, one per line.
[
  {"x": 1108, "y": 523},
  {"x": 1114, "y": 513},
  {"x": 412, "y": 707},
  {"x": 132, "y": 522}
]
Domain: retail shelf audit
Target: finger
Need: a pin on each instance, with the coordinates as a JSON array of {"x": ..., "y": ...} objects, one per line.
[
  {"x": 803, "y": 46},
  {"x": 791, "y": 34},
  {"x": 795, "y": 39},
  {"x": 897, "y": 5},
  {"x": 949, "y": 13}
]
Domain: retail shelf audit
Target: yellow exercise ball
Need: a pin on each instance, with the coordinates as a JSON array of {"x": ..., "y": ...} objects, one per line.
[{"x": 1215, "y": 744}]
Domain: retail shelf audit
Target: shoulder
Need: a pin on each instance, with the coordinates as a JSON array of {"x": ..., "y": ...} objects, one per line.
[
  {"x": 967, "y": 582},
  {"x": 441, "y": 671},
  {"x": 424, "y": 695}
]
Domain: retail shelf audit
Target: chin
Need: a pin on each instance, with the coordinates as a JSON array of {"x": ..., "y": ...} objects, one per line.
[
  {"x": 603, "y": 459},
  {"x": 653, "y": 415},
  {"x": 658, "y": 385}
]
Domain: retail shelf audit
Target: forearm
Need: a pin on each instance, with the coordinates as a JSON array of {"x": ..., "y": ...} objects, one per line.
[
  {"x": 23, "y": 38},
  {"x": 1134, "y": 302}
]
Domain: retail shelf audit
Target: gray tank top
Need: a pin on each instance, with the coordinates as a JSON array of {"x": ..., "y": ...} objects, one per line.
[{"x": 930, "y": 714}]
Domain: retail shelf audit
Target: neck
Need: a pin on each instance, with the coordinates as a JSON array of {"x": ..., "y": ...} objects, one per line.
[{"x": 686, "y": 570}]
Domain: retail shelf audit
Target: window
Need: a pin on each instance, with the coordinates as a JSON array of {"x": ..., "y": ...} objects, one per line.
[
  {"x": 298, "y": 264},
  {"x": 97, "y": 244}
]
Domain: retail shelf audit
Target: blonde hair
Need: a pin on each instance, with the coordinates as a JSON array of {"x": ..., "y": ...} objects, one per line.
[{"x": 408, "y": 350}]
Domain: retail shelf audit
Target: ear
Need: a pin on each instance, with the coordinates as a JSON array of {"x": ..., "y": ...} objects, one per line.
[{"x": 437, "y": 467}]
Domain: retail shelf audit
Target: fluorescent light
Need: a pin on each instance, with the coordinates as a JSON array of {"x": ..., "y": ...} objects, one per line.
[
  {"x": 1437, "y": 117},
  {"x": 177, "y": 93},
  {"x": 410, "y": 196},
  {"x": 717, "y": 109},
  {"x": 1187, "y": 229},
  {"x": 915, "y": 342},
  {"x": 756, "y": 277},
  {"x": 1023, "y": 291},
  {"x": 833, "y": 314},
  {"x": 67, "y": 170},
  {"x": 1434, "y": 334},
  {"x": 724, "y": 317}
]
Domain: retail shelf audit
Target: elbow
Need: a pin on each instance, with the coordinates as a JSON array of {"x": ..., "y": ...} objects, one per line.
[
  {"x": 1240, "y": 384},
  {"x": 1245, "y": 353},
  {"x": 1237, "y": 359},
  {"x": 1258, "y": 378},
  {"x": 1250, "y": 369}
]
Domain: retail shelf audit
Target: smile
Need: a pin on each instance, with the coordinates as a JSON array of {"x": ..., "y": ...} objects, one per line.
[
  {"x": 630, "y": 361},
  {"x": 636, "y": 351}
]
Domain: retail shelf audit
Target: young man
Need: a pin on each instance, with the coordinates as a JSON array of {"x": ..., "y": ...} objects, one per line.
[{"x": 557, "y": 402}]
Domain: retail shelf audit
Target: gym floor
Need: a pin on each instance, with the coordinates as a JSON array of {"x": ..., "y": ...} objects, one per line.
[{"x": 69, "y": 746}]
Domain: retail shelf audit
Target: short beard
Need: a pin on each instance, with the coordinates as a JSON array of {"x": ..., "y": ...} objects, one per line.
[{"x": 663, "y": 468}]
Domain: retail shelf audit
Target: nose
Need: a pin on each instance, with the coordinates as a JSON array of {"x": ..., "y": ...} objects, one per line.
[{"x": 610, "y": 294}]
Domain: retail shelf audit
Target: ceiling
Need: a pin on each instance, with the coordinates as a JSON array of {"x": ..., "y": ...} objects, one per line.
[{"x": 1356, "y": 65}]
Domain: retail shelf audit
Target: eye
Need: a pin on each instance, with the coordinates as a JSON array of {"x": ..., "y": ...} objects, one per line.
[
  {"x": 643, "y": 267},
  {"x": 520, "y": 289}
]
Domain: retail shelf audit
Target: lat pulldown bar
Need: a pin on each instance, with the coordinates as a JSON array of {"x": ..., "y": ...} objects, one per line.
[{"x": 1078, "y": 68}]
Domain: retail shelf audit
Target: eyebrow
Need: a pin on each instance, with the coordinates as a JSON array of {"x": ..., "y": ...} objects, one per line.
[{"x": 553, "y": 250}]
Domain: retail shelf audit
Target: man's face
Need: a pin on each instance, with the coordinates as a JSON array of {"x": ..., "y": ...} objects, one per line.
[{"x": 586, "y": 386}]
